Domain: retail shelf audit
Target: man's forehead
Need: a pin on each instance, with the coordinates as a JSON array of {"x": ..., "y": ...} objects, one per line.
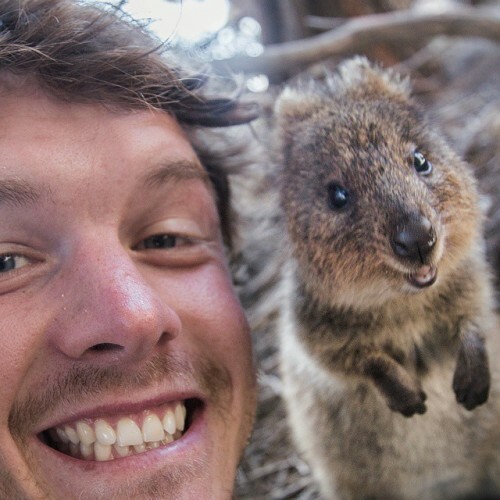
[
  {"x": 27, "y": 114},
  {"x": 18, "y": 83},
  {"x": 21, "y": 91},
  {"x": 36, "y": 131}
]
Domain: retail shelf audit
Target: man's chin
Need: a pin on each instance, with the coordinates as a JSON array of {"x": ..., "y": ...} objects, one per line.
[
  {"x": 180, "y": 484},
  {"x": 175, "y": 482},
  {"x": 80, "y": 479}
]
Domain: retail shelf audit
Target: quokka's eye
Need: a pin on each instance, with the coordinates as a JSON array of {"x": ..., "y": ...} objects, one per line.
[
  {"x": 421, "y": 164},
  {"x": 338, "y": 196}
]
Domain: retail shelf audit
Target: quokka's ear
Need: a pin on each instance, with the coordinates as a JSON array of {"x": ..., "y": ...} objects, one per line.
[
  {"x": 295, "y": 104},
  {"x": 359, "y": 74}
]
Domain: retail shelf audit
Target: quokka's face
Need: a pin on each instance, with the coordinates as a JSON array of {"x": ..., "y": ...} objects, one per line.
[{"x": 376, "y": 203}]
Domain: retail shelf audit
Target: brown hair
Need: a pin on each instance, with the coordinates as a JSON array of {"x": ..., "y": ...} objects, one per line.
[{"x": 83, "y": 53}]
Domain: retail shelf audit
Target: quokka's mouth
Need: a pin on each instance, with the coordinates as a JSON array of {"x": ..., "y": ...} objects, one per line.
[
  {"x": 109, "y": 438},
  {"x": 424, "y": 277}
]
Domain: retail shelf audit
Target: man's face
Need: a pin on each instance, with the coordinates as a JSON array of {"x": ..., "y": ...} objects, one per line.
[{"x": 125, "y": 360}]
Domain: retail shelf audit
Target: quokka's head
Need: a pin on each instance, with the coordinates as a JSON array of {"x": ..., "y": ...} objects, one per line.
[{"x": 376, "y": 203}]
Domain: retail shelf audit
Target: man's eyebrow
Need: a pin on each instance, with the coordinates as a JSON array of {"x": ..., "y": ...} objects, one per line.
[
  {"x": 16, "y": 192},
  {"x": 175, "y": 170}
]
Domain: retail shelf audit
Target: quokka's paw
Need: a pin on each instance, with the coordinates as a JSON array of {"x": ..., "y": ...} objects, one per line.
[
  {"x": 471, "y": 385},
  {"x": 409, "y": 403},
  {"x": 402, "y": 392}
]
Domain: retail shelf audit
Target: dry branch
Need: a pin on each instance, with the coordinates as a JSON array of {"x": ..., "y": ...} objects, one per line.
[{"x": 359, "y": 34}]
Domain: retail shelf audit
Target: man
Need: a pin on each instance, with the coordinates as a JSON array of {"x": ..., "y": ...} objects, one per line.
[{"x": 125, "y": 358}]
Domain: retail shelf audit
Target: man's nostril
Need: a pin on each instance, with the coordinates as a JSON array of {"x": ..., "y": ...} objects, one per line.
[{"x": 106, "y": 346}]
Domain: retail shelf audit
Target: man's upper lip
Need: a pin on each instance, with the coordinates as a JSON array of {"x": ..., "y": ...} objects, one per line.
[{"x": 114, "y": 407}]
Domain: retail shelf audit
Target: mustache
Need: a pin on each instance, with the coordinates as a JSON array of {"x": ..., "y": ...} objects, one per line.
[{"x": 90, "y": 381}]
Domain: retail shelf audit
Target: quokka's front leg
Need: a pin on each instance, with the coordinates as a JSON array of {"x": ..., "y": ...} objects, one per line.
[
  {"x": 471, "y": 381},
  {"x": 402, "y": 392}
]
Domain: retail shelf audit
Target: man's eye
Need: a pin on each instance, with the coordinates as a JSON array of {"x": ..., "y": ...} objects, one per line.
[
  {"x": 160, "y": 241},
  {"x": 10, "y": 262}
]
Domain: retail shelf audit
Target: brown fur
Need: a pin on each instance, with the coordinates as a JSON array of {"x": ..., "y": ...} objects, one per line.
[{"x": 364, "y": 347}]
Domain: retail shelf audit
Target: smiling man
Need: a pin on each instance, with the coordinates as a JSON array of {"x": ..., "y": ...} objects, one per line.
[{"x": 125, "y": 356}]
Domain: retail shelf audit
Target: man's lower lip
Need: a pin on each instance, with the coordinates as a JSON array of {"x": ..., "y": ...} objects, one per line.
[{"x": 110, "y": 444}]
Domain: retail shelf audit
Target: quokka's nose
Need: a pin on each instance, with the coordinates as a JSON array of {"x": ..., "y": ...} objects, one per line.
[{"x": 414, "y": 239}]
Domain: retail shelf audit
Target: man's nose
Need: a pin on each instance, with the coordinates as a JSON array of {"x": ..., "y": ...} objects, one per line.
[{"x": 110, "y": 312}]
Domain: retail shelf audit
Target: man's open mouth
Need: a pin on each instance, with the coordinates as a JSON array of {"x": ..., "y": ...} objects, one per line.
[{"x": 108, "y": 438}]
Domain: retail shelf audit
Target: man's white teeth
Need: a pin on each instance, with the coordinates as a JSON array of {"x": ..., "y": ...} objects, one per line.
[
  {"x": 105, "y": 434},
  {"x": 121, "y": 451},
  {"x": 100, "y": 441},
  {"x": 72, "y": 435},
  {"x": 62, "y": 435},
  {"x": 85, "y": 433},
  {"x": 128, "y": 433},
  {"x": 180, "y": 416},
  {"x": 102, "y": 451},
  {"x": 169, "y": 422},
  {"x": 86, "y": 450},
  {"x": 152, "y": 430}
]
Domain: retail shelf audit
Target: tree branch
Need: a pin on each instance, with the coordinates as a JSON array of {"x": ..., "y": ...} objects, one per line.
[{"x": 358, "y": 34}]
